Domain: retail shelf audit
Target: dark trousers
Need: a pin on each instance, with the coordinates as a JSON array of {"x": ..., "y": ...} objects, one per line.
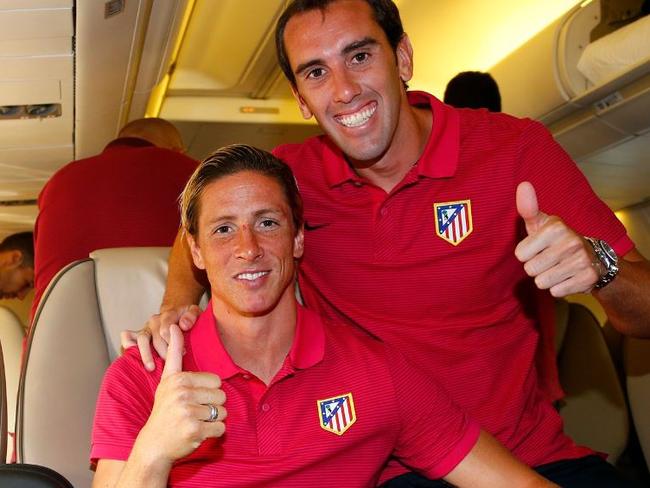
[{"x": 586, "y": 472}]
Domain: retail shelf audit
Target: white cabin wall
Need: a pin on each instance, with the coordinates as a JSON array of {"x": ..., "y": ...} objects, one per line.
[{"x": 637, "y": 222}]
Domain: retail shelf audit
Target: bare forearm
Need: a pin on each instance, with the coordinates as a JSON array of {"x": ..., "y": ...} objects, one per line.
[
  {"x": 183, "y": 285},
  {"x": 142, "y": 470},
  {"x": 490, "y": 464},
  {"x": 137, "y": 471},
  {"x": 627, "y": 299}
]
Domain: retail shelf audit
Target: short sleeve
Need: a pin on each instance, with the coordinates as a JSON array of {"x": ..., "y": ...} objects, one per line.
[
  {"x": 123, "y": 406},
  {"x": 435, "y": 435},
  {"x": 564, "y": 191}
]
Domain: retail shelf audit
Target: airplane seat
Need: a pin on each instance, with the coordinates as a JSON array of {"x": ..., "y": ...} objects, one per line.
[
  {"x": 3, "y": 410},
  {"x": 636, "y": 360},
  {"x": 31, "y": 476},
  {"x": 11, "y": 338},
  {"x": 594, "y": 408},
  {"x": 21, "y": 475},
  {"x": 73, "y": 339}
]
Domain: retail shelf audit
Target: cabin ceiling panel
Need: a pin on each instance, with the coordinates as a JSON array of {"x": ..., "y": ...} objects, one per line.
[
  {"x": 632, "y": 153},
  {"x": 201, "y": 138},
  {"x": 618, "y": 186},
  {"x": 226, "y": 49},
  {"x": 30, "y": 4},
  {"x": 36, "y": 67},
  {"x": 48, "y": 132},
  {"x": 42, "y": 159},
  {"x": 38, "y": 23},
  {"x": 35, "y": 47},
  {"x": 18, "y": 218},
  {"x": 21, "y": 216}
]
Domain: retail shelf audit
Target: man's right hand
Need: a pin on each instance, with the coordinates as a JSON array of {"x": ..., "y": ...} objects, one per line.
[
  {"x": 181, "y": 416},
  {"x": 156, "y": 331}
]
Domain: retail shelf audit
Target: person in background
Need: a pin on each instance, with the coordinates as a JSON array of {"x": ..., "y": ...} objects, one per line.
[
  {"x": 124, "y": 196},
  {"x": 17, "y": 265},
  {"x": 309, "y": 403},
  {"x": 473, "y": 89}
]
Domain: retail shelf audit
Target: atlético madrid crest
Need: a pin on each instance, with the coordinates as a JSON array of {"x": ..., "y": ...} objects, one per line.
[
  {"x": 453, "y": 220},
  {"x": 337, "y": 414}
]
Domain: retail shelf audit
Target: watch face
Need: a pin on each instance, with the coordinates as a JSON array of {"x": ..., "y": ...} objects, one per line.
[{"x": 609, "y": 251}]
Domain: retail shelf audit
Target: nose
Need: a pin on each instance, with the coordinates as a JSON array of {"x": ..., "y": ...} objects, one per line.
[
  {"x": 248, "y": 246},
  {"x": 346, "y": 87}
]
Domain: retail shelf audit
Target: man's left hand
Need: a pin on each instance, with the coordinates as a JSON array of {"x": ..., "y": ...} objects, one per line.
[{"x": 559, "y": 259}]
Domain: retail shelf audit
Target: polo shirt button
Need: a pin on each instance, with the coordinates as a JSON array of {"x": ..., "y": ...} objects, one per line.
[
  {"x": 357, "y": 183},
  {"x": 246, "y": 377},
  {"x": 266, "y": 407},
  {"x": 383, "y": 211}
]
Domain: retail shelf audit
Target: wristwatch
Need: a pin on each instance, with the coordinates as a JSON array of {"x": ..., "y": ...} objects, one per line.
[{"x": 608, "y": 260}]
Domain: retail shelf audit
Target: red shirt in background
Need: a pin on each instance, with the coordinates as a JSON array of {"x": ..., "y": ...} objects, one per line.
[{"x": 125, "y": 196}]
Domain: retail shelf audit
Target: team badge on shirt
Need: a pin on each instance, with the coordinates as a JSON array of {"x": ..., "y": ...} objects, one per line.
[
  {"x": 337, "y": 414},
  {"x": 453, "y": 220}
]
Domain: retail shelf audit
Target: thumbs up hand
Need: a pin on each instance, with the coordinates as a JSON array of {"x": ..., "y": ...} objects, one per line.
[
  {"x": 188, "y": 408},
  {"x": 559, "y": 259}
]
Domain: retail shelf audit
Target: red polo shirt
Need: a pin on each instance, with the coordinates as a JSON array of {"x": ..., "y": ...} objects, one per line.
[
  {"x": 125, "y": 196},
  {"x": 274, "y": 435},
  {"x": 430, "y": 268}
]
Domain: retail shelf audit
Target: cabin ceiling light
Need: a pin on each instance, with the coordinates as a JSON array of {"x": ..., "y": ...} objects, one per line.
[{"x": 247, "y": 109}]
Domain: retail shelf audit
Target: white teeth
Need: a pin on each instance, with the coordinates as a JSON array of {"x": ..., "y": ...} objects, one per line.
[
  {"x": 251, "y": 276},
  {"x": 357, "y": 119}
]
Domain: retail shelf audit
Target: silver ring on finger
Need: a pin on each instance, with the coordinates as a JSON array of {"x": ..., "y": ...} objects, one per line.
[{"x": 214, "y": 412}]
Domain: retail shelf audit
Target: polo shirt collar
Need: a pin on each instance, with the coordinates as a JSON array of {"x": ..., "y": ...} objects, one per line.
[
  {"x": 128, "y": 142},
  {"x": 210, "y": 355},
  {"x": 440, "y": 157}
]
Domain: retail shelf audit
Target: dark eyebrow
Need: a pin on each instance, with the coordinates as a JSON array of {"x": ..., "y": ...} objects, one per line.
[
  {"x": 366, "y": 41},
  {"x": 257, "y": 213},
  {"x": 305, "y": 66}
]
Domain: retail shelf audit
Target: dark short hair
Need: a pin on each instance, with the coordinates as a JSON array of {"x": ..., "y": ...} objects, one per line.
[
  {"x": 230, "y": 160},
  {"x": 385, "y": 13},
  {"x": 473, "y": 89},
  {"x": 23, "y": 242}
]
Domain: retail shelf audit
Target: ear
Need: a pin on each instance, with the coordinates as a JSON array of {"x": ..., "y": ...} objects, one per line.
[
  {"x": 404, "y": 53},
  {"x": 302, "y": 105},
  {"x": 197, "y": 257},
  {"x": 299, "y": 244},
  {"x": 14, "y": 258}
]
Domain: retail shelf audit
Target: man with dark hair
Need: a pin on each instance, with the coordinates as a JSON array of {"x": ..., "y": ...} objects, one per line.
[
  {"x": 473, "y": 89},
  {"x": 124, "y": 196},
  {"x": 424, "y": 225},
  {"x": 17, "y": 265},
  {"x": 301, "y": 408}
]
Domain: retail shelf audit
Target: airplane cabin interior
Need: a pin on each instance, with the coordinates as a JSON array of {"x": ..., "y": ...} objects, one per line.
[{"x": 73, "y": 72}]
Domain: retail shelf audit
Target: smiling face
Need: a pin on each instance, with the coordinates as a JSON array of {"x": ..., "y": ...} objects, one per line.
[
  {"x": 247, "y": 243},
  {"x": 349, "y": 77}
]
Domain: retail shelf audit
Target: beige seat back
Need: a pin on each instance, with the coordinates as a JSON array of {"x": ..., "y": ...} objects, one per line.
[
  {"x": 11, "y": 338},
  {"x": 636, "y": 357},
  {"x": 74, "y": 337},
  {"x": 3, "y": 409},
  {"x": 594, "y": 409}
]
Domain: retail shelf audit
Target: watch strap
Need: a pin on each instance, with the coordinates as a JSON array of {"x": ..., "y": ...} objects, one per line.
[{"x": 608, "y": 264}]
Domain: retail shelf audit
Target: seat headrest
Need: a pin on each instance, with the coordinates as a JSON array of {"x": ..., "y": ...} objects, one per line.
[{"x": 130, "y": 284}]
